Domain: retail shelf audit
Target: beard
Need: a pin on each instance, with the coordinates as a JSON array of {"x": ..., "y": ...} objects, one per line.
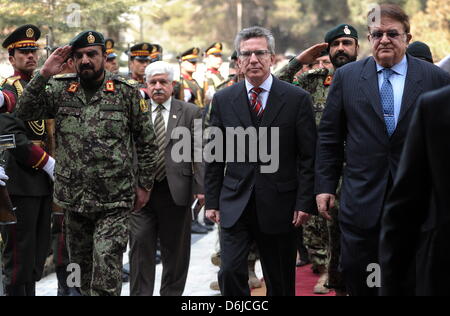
[
  {"x": 92, "y": 75},
  {"x": 339, "y": 62}
]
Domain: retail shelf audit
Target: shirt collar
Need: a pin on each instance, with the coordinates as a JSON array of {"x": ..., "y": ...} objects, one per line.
[
  {"x": 166, "y": 105},
  {"x": 400, "y": 69},
  {"x": 266, "y": 85}
]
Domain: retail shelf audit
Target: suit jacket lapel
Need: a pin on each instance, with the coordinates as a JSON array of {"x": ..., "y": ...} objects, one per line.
[
  {"x": 370, "y": 87},
  {"x": 176, "y": 110},
  {"x": 241, "y": 105},
  {"x": 412, "y": 88},
  {"x": 275, "y": 103}
]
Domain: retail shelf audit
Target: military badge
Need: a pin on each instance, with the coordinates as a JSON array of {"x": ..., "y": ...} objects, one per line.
[
  {"x": 110, "y": 86},
  {"x": 347, "y": 30},
  {"x": 328, "y": 81},
  {"x": 73, "y": 87},
  {"x": 143, "y": 106},
  {"x": 30, "y": 33},
  {"x": 109, "y": 45},
  {"x": 144, "y": 47},
  {"x": 91, "y": 38}
]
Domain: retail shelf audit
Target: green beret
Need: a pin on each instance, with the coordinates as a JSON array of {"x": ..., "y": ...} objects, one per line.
[
  {"x": 420, "y": 50},
  {"x": 343, "y": 30},
  {"x": 87, "y": 39}
]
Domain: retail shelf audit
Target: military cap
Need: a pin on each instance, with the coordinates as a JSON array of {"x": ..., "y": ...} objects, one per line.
[
  {"x": 157, "y": 52},
  {"x": 23, "y": 38},
  {"x": 214, "y": 49},
  {"x": 420, "y": 50},
  {"x": 343, "y": 30},
  {"x": 191, "y": 55},
  {"x": 88, "y": 39},
  {"x": 109, "y": 44},
  {"x": 141, "y": 51}
]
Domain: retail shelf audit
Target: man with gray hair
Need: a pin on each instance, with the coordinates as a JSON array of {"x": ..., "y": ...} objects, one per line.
[
  {"x": 250, "y": 204},
  {"x": 167, "y": 215}
]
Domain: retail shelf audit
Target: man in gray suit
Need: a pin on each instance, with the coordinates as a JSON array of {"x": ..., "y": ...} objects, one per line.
[
  {"x": 167, "y": 216},
  {"x": 365, "y": 124}
]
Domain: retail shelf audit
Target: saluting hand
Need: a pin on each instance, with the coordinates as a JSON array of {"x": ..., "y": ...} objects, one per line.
[
  {"x": 55, "y": 63},
  {"x": 3, "y": 177},
  {"x": 311, "y": 54}
]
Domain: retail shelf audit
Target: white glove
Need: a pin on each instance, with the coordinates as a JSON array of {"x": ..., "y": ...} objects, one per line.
[
  {"x": 3, "y": 177},
  {"x": 187, "y": 95},
  {"x": 50, "y": 168},
  {"x": 2, "y": 99}
]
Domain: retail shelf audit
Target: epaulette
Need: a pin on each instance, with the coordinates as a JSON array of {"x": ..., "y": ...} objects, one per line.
[
  {"x": 11, "y": 80},
  {"x": 65, "y": 76},
  {"x": 127, "y": 81}
]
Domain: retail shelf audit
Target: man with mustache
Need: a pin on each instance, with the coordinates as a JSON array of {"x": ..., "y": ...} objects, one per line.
[
  {"x": 361, "y": 136},
  {"x": 324, "y": 243},
  {"x": 167, "y": 216},
  {"x": 102, "y": 124},
  {"x": 30, "y": 188}
]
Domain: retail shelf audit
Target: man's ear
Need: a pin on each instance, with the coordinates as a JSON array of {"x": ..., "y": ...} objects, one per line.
[
  {"x": 408, "y": 38},
  {"x": 12, "y": 60}
]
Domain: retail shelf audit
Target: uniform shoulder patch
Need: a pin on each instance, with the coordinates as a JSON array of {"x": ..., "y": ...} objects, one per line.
[
  {"x": 127, "y": 81},
  {"x": 65, "y": 76}
]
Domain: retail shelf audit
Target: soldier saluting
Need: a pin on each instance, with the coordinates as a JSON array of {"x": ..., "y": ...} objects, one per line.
[
  {"x": 99, "y": 115},
  {"x": 30, "y": 188}
]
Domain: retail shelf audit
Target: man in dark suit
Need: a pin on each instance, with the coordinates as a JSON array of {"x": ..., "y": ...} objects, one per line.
[
  {"x": 167, "y": 216},
  {"x": 365, "y": 124},
  {"x": 417, "y": 214},
  {"x": 249, "y": 202}
]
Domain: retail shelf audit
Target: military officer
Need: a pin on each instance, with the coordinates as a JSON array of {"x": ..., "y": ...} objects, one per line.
[
  {"x": 322, "y": 241},
  {"x": 30, "y": 189},
  {"x": 139, "y": 60},
  {"x": 188, "y": 89},
  {"x": 213, "y": 77},
  {"x": 99, "y": 117},
  {"x": 112, "y": 64},
  {"x": 157, "y": 53}
]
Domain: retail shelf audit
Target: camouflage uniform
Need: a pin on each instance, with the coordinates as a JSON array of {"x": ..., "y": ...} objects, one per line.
[
  {"x": 95, "y": 182},
  {"x": 322, "y": 238}
]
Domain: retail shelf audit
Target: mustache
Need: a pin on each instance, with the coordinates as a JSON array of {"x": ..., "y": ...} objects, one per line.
[
  {"x": 342, "y": 54},
  {"x": 86, "y": 67},
  {"x": 159, "y": 91}
]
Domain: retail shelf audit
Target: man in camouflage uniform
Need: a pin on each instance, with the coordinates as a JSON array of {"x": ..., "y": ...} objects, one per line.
[
  {"x": 322, "y": 237},
  {"x": 99, "y": 116},
  {"x": 30, "y": 189},
  {"x": 213, "y": 77}
]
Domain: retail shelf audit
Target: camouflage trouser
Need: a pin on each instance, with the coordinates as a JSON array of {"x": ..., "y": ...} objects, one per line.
[
  {"x": 315, "y": 236},
  {"x": 97, "y": 242}
]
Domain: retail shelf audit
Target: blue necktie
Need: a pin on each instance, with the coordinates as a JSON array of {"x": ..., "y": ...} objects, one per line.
[{"x": 387, "y": 100}]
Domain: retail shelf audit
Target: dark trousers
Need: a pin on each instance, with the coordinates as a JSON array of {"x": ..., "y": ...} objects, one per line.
[
  {"x": 277, "y": 253},
  {"x": 359, "y": 250},
  {"x": 162, "y": 219},
  {"x": 27, "y": 244}
]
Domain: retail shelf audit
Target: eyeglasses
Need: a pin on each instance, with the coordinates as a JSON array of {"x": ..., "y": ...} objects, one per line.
[
  {"x": 258, "y": 53},
  {"x": 390, "y": 34}
]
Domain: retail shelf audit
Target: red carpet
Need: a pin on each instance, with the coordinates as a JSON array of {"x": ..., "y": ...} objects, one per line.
[{"x": 306, "y": 280}]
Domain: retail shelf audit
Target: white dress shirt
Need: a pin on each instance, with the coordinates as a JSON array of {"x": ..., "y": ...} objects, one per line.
[
  {"x": 264, "y": 95},
  {"x": 165, "y": 113}
]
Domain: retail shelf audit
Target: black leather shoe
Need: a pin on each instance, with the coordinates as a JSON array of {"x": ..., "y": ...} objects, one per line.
[{"x": 196, "y": 228}]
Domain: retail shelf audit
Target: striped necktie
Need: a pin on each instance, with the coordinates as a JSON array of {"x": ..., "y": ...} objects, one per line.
[
  {"x": 160, "y": 131},
  {"x": 255, "y": 102}
]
